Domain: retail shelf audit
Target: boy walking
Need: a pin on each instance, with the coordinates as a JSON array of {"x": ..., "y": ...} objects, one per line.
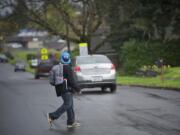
[{"x": 64, "y": 84}]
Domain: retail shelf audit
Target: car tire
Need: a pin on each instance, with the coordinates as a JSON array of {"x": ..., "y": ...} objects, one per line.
[
  {"x": 78, "y": 91},
  {"x": 113, "y": 88},
  {"x": 103, "y": 89},
  {"x": 36, "y": 77}
]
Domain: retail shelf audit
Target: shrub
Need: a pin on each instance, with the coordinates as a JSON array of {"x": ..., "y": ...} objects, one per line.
[
  {"x": 135, "y": 54},
  {"x": 30, "y": 56},
  {"x": 152, "y": 70}
]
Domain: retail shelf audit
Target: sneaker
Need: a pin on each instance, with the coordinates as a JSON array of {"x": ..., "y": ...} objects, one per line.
[
  {"x": 75, "y": 124},
  {"x": 49, "y": 119}
]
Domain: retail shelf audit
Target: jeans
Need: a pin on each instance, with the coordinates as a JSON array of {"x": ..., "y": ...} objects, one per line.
[{"x": 67, "y": 106}]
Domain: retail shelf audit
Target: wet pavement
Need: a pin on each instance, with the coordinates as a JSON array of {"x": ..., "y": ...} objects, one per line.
[{"x": 24, "y": 103}]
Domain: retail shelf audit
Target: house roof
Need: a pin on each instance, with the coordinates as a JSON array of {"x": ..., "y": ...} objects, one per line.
[{"x": 55, "y": 45}]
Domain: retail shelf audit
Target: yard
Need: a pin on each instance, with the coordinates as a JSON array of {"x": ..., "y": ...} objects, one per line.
[{"x": 171, "y": 80}]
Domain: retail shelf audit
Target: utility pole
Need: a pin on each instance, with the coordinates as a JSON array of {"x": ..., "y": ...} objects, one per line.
[
  {"x": 1, "y": 43},
  {"x": 67, "y": 39}
]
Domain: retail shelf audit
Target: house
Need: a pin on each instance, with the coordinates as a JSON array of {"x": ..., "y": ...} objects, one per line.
[
  {"x": 30, "y": 39},
  {"x": 57, "y": 43}
]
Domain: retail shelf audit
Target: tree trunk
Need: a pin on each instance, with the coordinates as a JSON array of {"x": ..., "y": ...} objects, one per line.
[{"x": 89, "y": 46}]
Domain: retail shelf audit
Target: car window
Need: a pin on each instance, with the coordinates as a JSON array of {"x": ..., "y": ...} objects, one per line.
[
  {"x": 45, "y": 64},
  {"x": 20, "y": 62},
  {"x": 73, "y": 62},
  {"x": 92, "y": 59},
  {"x": 3, "y": 56}
]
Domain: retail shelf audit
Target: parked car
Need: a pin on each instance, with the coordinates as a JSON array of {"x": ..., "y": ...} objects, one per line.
[
  {"x": 42, "y": 69},
  {"x": 3, "y": 58},
  {"x": 20, "y": 66},
  {"x": 94, "y": 71},
  {"x": 33, "y": 63}
]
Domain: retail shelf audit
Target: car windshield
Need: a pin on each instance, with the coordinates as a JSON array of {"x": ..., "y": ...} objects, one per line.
[
  {"x": 20, "y": 62},
  {"x": 92, "y": 59},
  {"x": 45, "y": 64},
  {"x": 3, "y": 56}
]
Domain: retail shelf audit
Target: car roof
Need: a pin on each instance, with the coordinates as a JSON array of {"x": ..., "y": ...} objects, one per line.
[
  {"x": 90, "y": 59},
  {"x": 93, "y": 55}
]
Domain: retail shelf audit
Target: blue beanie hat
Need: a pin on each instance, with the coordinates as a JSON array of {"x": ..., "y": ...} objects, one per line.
[{"x": 65, "y": 58}]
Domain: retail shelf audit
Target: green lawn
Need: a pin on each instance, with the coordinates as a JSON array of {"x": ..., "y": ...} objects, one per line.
[
  {"x": 22, "y": 55},
  {"x": 171, "y": 80}
]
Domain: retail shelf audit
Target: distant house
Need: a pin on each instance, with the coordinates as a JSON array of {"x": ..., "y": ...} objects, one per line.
[
  {"x": 58, "y": 44},
  {"x": 34, "y": 44},
  {"x": 30, "y": 39},
  {"x": 26, "y": 42}
]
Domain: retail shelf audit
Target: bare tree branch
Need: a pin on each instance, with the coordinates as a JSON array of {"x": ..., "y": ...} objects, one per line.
[
  {"x": 49, "y": 28},
  {"x": 66, "y": 18},
  {"x": 35, "y": 18}
]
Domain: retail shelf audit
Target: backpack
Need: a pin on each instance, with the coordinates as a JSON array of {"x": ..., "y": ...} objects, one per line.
[{"x": 56, "y": 75}]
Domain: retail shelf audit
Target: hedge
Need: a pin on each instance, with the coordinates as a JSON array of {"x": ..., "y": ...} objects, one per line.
[{"x": 134, "y": 54}]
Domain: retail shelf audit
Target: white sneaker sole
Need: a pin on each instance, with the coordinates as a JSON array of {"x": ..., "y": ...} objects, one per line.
[{"x": 74, "y": 125}]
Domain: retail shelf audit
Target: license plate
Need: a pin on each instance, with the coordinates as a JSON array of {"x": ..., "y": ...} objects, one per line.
[{"x": 96, "y": 78}]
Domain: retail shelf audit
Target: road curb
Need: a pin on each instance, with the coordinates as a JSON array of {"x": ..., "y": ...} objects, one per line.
[{"x": 153, "y": 87}]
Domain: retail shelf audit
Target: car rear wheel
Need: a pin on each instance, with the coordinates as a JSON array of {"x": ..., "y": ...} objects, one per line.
[
  {"x": 113, "y": 88},
  {"x": 36, "y": 77},
  {"x": 103, "y": 89}
]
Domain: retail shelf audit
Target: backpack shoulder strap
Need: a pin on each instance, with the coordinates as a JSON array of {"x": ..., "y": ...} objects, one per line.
[{"x": 61, "y": 69}]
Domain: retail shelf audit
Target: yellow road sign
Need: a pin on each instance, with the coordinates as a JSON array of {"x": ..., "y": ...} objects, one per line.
[
  {"x": 82, "y": 44},
  {"x": 83, "y": 50},
  {"x": 44, "y": 51},
  {"x": 44, "y": 57}
]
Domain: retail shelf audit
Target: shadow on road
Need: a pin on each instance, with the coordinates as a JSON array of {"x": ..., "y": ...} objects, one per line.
[
  {"x": 64, "y": 131},
  {"x": 94, "y": 92}
]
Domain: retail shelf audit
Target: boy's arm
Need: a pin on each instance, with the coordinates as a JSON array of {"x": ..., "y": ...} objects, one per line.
[{"x": 71, "y": 79}]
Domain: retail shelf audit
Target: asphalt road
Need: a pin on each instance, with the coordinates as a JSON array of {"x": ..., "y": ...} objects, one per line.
[{"x": 24, "y": 103}]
